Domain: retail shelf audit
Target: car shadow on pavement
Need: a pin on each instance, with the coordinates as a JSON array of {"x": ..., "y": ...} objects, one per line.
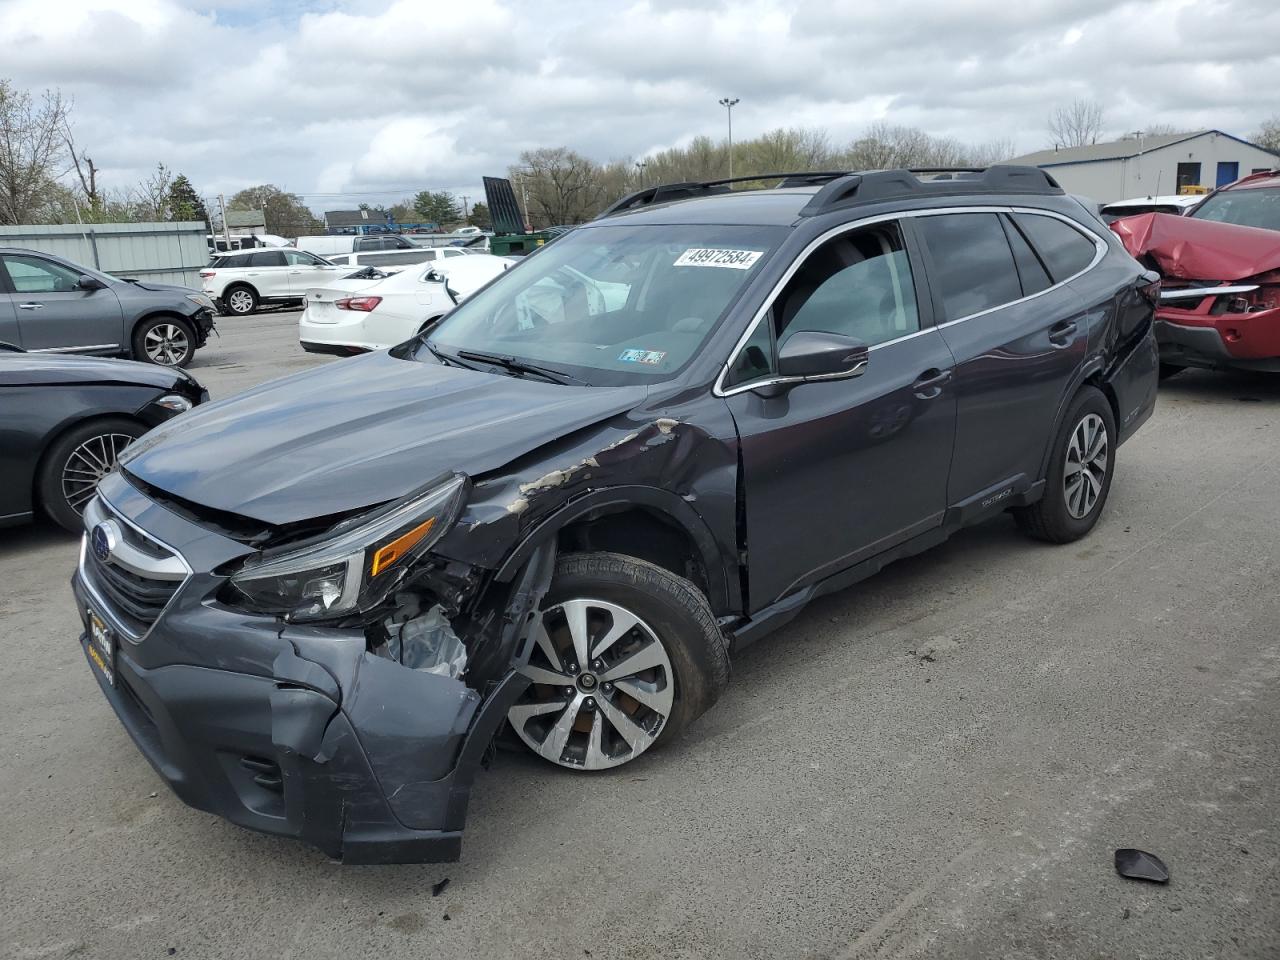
[
  {"x": 1222, "y": 386},
  {"x": 40, "y": 535}
]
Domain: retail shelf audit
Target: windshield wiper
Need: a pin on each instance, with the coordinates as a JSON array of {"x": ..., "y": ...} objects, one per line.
[
  {"x": 446, "y": 357},
  {"x": 516, "y": 365}
]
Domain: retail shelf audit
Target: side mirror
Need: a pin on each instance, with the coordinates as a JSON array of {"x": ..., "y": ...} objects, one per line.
[
  {"x": 433, "y": 276},
  {"x": 87, "y": 282},
  {"x": 811, "y": 355}
]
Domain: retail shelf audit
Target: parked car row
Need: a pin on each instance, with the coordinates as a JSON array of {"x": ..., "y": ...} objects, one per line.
[{"x": 565, "y": 506}]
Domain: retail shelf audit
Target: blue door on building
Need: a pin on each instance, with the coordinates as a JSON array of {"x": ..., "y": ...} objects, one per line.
[{"x": 1228, "y": 172}]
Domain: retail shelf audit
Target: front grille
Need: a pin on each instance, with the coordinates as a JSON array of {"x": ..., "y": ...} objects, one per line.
[
  {"x": 139, "y": 599},
  {"x": 140, "y": 575}
]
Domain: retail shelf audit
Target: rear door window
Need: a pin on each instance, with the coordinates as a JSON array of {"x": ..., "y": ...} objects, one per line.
[
  {"x": 266, "y": 258},
  {"x": 1065, "y": 250},
  {"x": 973, "y": 267}
]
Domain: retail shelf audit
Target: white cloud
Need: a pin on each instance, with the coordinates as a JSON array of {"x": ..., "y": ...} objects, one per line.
[{"x": 341, "y": 95}]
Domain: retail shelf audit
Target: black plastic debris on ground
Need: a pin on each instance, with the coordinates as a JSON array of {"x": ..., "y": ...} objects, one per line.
[
  {"x": 438, "y": 888},
  {"x": 1140, "y": 865}
]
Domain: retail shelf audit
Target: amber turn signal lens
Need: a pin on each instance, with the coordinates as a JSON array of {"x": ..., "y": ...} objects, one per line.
[{"x": 397, "y": 548}]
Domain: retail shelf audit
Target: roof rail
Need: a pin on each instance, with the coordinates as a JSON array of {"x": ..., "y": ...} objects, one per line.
[
  {"x": 690, "y": 189},
  {"x": 842, "y": 188},
  {"x": 860, "y": 188}
]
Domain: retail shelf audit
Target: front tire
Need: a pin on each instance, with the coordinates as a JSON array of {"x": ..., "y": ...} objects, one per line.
[
  {"x": 164, "y": 341},
  {"x": 1079, "y": 473},
  {"x": 627, "y": 655},
  {"x": 73, "y": 465}
]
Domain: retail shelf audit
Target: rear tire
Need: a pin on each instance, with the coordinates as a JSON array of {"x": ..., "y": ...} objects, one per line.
[
  {"x": 240, "y": 300},
  {"x": 71, "y": 468},
  {"x": 1080, "y": 471},
  {"x": 655, "y": 661}
]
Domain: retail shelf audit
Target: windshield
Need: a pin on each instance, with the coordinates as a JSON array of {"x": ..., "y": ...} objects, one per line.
[
  {"x": 1246, "y": 207},
  {"x": 611, "y": 305}
]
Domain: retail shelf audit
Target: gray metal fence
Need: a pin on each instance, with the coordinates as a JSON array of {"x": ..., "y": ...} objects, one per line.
[{"x": 162, "y": 252}]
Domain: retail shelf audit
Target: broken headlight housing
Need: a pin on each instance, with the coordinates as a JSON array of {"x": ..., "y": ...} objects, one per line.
[{"x": 354, "y": 565}]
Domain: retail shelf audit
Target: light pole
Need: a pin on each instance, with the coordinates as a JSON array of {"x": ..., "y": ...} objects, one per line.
[
  {"x": 640, "y": 165},
  {"x": 728, "y": 105}
]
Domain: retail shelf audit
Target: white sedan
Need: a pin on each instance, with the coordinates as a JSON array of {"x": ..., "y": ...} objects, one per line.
[{"x": 354, "y": 315}]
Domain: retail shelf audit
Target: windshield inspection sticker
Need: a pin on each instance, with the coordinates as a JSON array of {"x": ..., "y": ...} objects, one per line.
[
  {"x": 651, "y": 357},
  {"x": 711, "y": 257}
]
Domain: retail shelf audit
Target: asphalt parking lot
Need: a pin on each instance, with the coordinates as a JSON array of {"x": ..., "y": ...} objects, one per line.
[{"x": 938, "y": 762}]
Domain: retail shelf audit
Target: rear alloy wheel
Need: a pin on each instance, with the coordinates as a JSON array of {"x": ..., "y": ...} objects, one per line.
[
  {"x": 1079, "y": 473},
  {"x": 73, "y": 466},
  {"x": 241, "y": 301},
  {"x": 626, "y": 655}
]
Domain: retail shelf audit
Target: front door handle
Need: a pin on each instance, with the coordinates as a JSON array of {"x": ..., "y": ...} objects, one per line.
[
  {"x": 31, "y": 306},
  {"x": 930, "y": 383},
  {"x": 1060, "y": 334}
]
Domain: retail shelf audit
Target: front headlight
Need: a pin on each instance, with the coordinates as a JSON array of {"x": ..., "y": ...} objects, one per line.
[
  {"x": 200, "y": 300},
  {"x": 174, "y": 402},
  {"x": 358, "y": 562}
]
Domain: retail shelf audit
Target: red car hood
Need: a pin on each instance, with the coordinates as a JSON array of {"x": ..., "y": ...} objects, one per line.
[{"x": 1184, "y": 248}]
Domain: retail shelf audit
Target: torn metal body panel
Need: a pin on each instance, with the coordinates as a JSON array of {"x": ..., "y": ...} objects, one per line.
[{"x": 1220, "y": 302}]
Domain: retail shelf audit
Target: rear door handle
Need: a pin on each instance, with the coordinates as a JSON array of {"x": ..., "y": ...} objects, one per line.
[
  {"x": 1060, "y": 334},
  {"x": 930, "y": 383},
  {"x": 31, "y": 306}
]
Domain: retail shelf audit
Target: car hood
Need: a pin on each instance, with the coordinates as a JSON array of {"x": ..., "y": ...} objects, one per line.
[
  {"x": 1184, "y": 248},
  {"x": 357, "y": 433},
  {"x": 50, "y": 368}
]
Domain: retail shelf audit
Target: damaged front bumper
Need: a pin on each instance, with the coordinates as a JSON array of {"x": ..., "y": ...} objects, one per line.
[{"x": 297, "y": 731}]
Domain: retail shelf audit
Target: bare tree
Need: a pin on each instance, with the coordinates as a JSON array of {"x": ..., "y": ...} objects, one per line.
[
  {"x": 562, "y": 186},
  {"x": 1268, "y": 135},
  {"x": 31, "y": 148},
  {"x": 86, "y": 172},
  {"x": 1076, "y": 124}
]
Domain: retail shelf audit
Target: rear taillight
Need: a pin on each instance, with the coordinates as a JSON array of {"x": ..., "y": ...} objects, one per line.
[
  {"x": 363, "y": 304},
  {"x": 206, "y": 274}
]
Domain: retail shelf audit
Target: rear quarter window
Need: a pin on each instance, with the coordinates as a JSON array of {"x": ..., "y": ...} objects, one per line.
[
  {"x": 1065, "y": 250},
  {"x": 972, "y": 265}
]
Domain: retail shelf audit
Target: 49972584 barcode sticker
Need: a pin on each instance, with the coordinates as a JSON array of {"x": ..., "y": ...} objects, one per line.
[{"x": 717, "y": 257}]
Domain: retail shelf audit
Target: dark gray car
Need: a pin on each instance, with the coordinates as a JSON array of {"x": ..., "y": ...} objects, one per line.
[
  {"x": 566, "y": 507},
  {"x": 51, "y": 305}
]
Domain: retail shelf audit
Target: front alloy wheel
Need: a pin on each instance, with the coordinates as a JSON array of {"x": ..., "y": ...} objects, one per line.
[
  {"x": 166, "y": 344},
  {"x": 602, "y": 688}
]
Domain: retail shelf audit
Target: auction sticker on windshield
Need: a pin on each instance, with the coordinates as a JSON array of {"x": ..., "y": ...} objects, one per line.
[
  {"x": 651, "y": 357},
  {"x": 712, "y": 257}
]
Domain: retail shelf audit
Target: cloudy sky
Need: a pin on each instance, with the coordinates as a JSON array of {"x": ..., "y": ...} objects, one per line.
[{"x": 374, "y": 99}]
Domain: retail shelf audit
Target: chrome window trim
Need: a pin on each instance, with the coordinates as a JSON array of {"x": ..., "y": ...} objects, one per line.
[
  {"x": 103, "y": 606},
  {"x": 719, "y": 389}
]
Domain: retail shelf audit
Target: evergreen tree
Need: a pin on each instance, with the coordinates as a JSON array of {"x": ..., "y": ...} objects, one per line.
[{"x": 184, "y": 202}]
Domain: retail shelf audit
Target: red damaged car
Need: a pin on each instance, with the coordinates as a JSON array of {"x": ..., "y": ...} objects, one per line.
[{"x": 1220, "y": 296}]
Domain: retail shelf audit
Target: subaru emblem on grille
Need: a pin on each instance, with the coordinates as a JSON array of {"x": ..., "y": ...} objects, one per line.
[{"x": 103, "y": 539}]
